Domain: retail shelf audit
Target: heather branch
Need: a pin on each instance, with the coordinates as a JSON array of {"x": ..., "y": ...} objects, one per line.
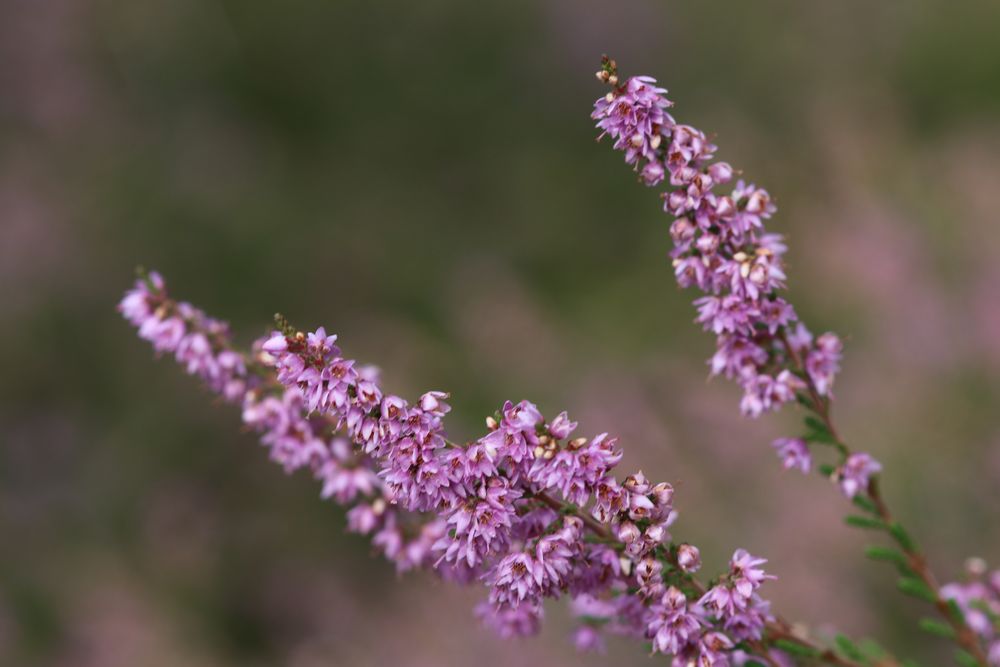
[
  {"x": 915, "y": 559},
  {"x": 301, "y": 429},
  {"x": 722, "y": 248}
]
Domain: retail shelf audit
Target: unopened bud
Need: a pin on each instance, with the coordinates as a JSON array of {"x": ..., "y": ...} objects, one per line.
[
  {"x": 664, "y": 493},
  {"x": 688, "y": 558},
  {"x": 976, "y": 566},
  {"x": 492, "y": 424},
  {"x": 628, "y": 532}
]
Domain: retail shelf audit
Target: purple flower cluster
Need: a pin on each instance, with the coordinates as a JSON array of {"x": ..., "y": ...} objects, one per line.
[
  {"x": 855, "y": 473},
  {"x": 722, "y": 248},
  {"x": 516, "y": 505},
  {"x": 979, "y": 600},
  {"x": 198, "y": 342},
  {"x": 527, "y": 509},
  {"x": 294, "y": 438},
  {"x": 681, "y": 627}
]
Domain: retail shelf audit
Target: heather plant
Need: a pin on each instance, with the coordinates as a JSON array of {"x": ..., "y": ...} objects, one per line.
[{"x": 530, "y": 510}]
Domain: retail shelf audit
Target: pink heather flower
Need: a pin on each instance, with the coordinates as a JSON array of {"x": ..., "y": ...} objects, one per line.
[
  {"x": 728, "y": 314},
  {"x": 749, "y": 622},
  {"x": 979, "y": 600},
  {"x": 672, "y": 624},
  {"x": 745, "y": 575},
  {"x": 517, "y": 577},
  {"x": 713, "y": 648},
  {"x": 635, "y": 118},
  {"x": 688, "y": 558},
  {"x": 587, "y": 639},
  {"x": 723, "y": 600},
  {"x": 763, "y": 392},
  {"x": 510, "y": 622},
  {"x": 653, "y": 173},
  {"x": 554, "y": 555},
  {"x": 737, "y": 357},
  {"x": 973, "y": 597},
  {"x": 853, "y": 476},
  {"x": 823, "y": 362},
  {"x": 794, "y": 453},
  {"x": 561, "y": 427},
  {"x": 481, "y": 525},
  {"x": 364, "y": 517}
]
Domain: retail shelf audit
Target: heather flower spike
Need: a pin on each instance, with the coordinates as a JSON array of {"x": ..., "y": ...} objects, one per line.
[
  {"x": 531, "y": 511},
  {"x": 722, "y": 248}
]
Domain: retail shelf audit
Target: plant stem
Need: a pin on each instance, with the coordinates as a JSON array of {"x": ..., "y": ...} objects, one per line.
[{"x": 964, "y": 635}]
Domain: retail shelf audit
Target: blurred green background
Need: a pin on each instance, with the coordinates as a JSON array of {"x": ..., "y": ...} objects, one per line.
[{"x": 423, "y": 179}]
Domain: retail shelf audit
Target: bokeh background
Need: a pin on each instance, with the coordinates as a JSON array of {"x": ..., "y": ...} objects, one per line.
[{"x": 423, "y": 178}]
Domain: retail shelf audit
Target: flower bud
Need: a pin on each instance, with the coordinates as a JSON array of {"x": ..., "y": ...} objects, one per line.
[
  {"x": 721, "y": 172},
  {"x": 648, "y": 567},
  {"x": 688, "y": 558},
  {"x": 639, "y": 506},
  {"x": 637, "y": 483},
  {"x": 663, "y": 493},
  {"x": 682, "y": 230},
  {"x": 628, "y": 532},
  {"x": 655, "y": 534}
]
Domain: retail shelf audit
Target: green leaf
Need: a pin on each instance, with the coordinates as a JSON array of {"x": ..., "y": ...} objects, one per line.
[
  {"x": 593, "y": 620},
  {"x": 916, "y": 588},
  {"x": 885, "y": 554},
  {"x": 872, "y": 650},
  {"x": 889, "y": 555},
  {"x": 864, "y": 522},
  {"x": 902, "y": 537},
  {"x": 848, "y": 648},
  {"x": 935, "y": 627},
  {"x": 816, "y": 424},
  {"x": 865, "y": 504},
  {"x": 817, "y": 431},
  {"x": 796, "y": 648},
  {"x": 825, "y": 469},
  {"x": 956, "y": 612},
  {"x": 966, "y": 659}
]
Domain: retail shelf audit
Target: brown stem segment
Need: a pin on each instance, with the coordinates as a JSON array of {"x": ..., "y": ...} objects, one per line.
[{"x": 964, "y": 635}]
